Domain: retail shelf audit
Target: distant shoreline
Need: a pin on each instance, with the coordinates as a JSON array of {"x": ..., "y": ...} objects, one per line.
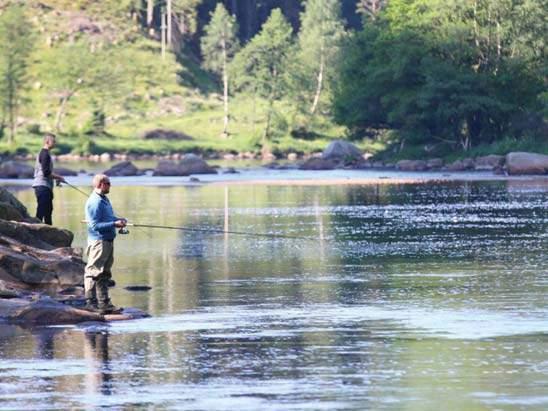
[{"x": 260, "y": 176}]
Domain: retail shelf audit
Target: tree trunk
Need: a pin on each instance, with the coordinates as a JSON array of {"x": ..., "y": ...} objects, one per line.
[
  {"x": 169, "y": 18},
  {"x": 61, "y": 111},
  {"x": 225, "y": 87},
  {"x": 150, "y": 12},
  {"x": 319, "y": 84}
]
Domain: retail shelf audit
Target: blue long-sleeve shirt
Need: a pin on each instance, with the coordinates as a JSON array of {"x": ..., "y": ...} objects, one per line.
[{"x": 100, "y": 217}]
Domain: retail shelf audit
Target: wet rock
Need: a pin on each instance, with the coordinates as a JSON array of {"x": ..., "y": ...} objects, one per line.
[
  {"x": 123, "y": 169},
  {"x": 14, "y": 169},
  {"x": 363, "y": 165},
  {"x": 411, "y": 165},
  {"x": 44, "y": 311},
  {"x": 317, "y": 163},
  {"x": 192, "y": 164},
  {"x": 23, "y": 266},
  {"x": 168, "y": 168},
  {"x": 194, "y": 179},
  {"x": 526, "y": 163},
  {"x": 67, "y": 172},
  {"x": 342, "y": 151},
  {"x": 138, "y": 288},
  {"x": 490, "y": 162},
  {"x": 231, "y": 170}
]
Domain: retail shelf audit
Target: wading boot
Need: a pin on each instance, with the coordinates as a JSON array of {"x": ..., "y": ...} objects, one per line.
[
  {"x": 109, "y": 308},
  {"x": 91, "y": 305}
]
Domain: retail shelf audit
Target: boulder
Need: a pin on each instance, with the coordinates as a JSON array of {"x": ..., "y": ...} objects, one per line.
[
  {"x": 526, "y": 163},
  {"x": 65, "y": 172},
  {"x": 42, "y": 236},
  {"x": 9, "y": 212},
  {"x": 168, "y": 168},
  {"x": 42, "y": 310},
  {"x": 342, "y": 151},
  {"x": 411, "y": 165},
  {"x": 13, "y": 169},
  {"x": 24, "y": 266},
  {"x": 192, "y": 164},
  {"x": 461, "y": 165},
  {"x": 434, "y": 164},
  {"x": 490, "y": 162},
  {"x": 165, "y": 134},
  {"x": 317, "y": 163},
  {"x": 9, "y": 198},
  {"x": 123, "y": 169}
]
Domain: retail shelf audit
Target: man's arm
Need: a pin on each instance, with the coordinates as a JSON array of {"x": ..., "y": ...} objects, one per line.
[
  {"x": 94, "y": 216},
  {"x": 44, "y": 159}
]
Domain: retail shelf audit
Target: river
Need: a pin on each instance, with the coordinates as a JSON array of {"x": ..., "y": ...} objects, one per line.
[{"x": 416, "y": 296}]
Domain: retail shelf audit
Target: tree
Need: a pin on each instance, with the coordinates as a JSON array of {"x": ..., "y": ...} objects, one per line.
[
  {"x": 261, "y": 64},
  {"x": 74, "y": 68},
  {"x": 219, "y": 45},
  {"x": 370, "y": 9},
  {"x": 16, "y": 37},
  {"x": 439, "y": 70},
  {"x": 322, "y": 30}
]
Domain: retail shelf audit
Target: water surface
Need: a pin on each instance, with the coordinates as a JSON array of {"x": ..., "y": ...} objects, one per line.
[{"x": 416, "y": 296}]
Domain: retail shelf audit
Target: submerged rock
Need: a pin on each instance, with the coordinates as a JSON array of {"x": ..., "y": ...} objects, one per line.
[
  {"x": 317, "y": 163},
  {"x": 13, "y": 169},
  {"x": 192, "y": 164},
  {"x": 123, "y": 169},
  {"x": 169, "y": 168},
  {"x": 47, "y": 311}
]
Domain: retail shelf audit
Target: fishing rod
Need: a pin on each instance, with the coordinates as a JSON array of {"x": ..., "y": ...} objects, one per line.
[
  {"x": 215, "y": 231},
  {"x": 208, "y": 231},
  {"x": 199, "y": 230},
  {"x": 74, "y": 187}
]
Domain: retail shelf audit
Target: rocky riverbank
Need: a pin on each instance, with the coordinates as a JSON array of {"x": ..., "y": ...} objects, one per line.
[
  {"x": 339, "y": 154},
  {"x": 41, "y": 275}
]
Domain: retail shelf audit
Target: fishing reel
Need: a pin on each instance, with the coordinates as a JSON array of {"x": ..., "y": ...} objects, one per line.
[{"x": 123, "y": 230}]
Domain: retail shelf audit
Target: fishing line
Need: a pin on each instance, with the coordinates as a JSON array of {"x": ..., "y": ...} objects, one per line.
[{"x": 214, "y": 231}]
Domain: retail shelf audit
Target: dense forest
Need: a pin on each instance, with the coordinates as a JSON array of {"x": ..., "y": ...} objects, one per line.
[{"x": 398, "y": 77}]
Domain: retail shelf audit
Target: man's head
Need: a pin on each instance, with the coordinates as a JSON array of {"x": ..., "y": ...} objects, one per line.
[
  {"x": 101, "y": 183},
  {"x": 49, "y": 140}
]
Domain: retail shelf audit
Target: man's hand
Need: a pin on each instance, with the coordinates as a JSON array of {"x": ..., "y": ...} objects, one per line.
[
  {"x": 60, "y": 179},
  {"x": 120, "y": 223}
]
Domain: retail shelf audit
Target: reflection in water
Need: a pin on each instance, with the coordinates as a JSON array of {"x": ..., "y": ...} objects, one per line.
[
  {"x": 420, "y": 296},
  {"x": 99, "y": 373}
]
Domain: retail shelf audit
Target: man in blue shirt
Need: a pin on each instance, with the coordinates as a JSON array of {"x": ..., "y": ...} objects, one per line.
[{"x": 102, "y": 224}]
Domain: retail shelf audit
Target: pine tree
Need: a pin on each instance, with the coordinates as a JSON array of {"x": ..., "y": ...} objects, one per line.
[
  {"x": 219, "y": 45},
  {"x": 261, "y": 64},
  {"x": 322, "y": 30},
  {"x": 16, "y": 38}
]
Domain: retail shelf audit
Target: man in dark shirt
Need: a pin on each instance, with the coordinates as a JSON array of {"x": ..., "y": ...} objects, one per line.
[{"x": 43, "y": 180}]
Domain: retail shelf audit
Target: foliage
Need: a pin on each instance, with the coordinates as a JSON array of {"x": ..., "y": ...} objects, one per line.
[
  {"x": 434, "y": 71},
  {"x": 219, "y": 42},
  {"x": 319, "y": 40},
  {"x": 16, "y": 37},
  {"x": 261, "y": 65}
]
